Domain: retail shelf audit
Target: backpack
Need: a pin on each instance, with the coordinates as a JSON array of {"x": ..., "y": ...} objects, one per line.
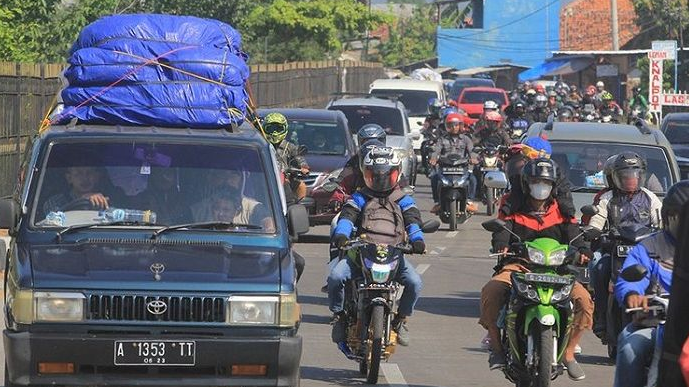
[{"x": 381, "y": 219}]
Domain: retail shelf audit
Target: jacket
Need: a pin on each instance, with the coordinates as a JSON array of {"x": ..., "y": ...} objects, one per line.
[
  {"x": 644, "y": 204},
  {"x": 513, "y": 201},
  {"x": 449, "y": 144},
  {"x": 498, "y": 137},
  {"x": 289, "y": 157},
  {"x": 655, "y": 253},
  {"x": 350, "y": 216}
]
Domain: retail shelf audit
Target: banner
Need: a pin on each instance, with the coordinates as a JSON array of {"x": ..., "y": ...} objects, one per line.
[{"x": 655, "y": 82}]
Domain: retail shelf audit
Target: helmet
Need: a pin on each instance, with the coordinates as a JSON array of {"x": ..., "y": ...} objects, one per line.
[
  {"x": 628, "y": 165},
  {"x": 454, "y": 118},
  {"x": 607, "y": 171},
  {"x": 531, "y": 92},
  {"x": 366, "y": 147},
  {"x": 600, "y": 84},
  {"x": 490, "y": 105},
  {"x": 493, "y": 116},
  {"x": 536, "y": 147},
  {"x": 381, "y": 170},
  {"x": 673, "y": 202},
  {"x": 590, "y": 90},
  {"x": 552, "y": 93},
  {"x": 565, "y": 114},
  {"x": 447, "y": 110},
  {"x": 538, "y": 178},
  {"x": 519, "y": 107},
  {"x": 540, "y": 88},
  {"x": 434, "y": 106},
  {"x": 370, "y": 132},
  {"x": 573, "y": 89},
  {"x": 636, "y": 90},
  {"x": 541, "y": 101},
  {"x": 275, "y": 127},
  {"x": 606, "y": 96}
]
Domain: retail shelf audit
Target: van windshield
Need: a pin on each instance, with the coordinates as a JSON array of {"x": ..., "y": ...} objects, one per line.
[
  {"x": 389, "y": 118},
  {"x": 416, "y": 101},
  {"x": 148, "y": 182}
]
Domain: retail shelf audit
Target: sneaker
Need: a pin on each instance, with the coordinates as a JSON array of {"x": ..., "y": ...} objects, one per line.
[
  {"x": 577, "y": 349},
  {"x": 574, "y": 370},
  {"x": 402, "y": 333},
  {"x": 435, "y": 209},
  {"x": 324, "y": 289},
  {"x": 339, "y": 332},
  {"x": 496, "y": 361},
  {"x": 485, "y": 343}
]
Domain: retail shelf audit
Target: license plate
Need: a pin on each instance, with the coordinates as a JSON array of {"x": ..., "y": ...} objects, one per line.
[
  {"x": 453, "y": 171},
  {"x": 546, "y": 278},
  {"x": 155, "y": 353},
  {"x": 623, "y": 250},
  {"x": 488, "y": 169}
]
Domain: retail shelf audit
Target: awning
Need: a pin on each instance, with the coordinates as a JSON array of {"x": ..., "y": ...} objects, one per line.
[{"x": 556, "y": 66}]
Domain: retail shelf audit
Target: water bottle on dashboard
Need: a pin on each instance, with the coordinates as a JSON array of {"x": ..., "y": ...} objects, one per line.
[{"x": 126, "y": 215}]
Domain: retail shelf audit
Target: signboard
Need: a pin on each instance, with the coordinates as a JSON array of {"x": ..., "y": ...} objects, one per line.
[
  {"x": 655, "y": 84},
  {"x": 675, "y": 99},
  {"x": 609, "y": 70},
  {"x": 665, "y": 48}
]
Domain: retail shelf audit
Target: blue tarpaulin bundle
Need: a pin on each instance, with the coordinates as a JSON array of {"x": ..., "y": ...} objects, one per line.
[{"x": 161, "y": 70}]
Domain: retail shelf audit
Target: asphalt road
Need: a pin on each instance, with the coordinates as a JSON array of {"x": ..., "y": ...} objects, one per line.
[{"x": 445, "y": 337}]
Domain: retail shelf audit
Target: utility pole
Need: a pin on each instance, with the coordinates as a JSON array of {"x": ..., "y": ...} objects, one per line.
[{"x": 613, "y": 21}]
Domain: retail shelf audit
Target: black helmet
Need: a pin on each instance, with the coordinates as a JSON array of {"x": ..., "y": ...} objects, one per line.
[
  {"x": 628, "y": 165},
  {"x": 370, "y": 132},
  {"x": 673, "y": 202},
  {"x": 538, "y": 170},
  {"x": 366, "y": 147},
  {"x": 541, "y": 101},
  {"x": 636, "y": 90},
  {"x": 381, "y": 170},
  {"x": 565, "y": 114}
]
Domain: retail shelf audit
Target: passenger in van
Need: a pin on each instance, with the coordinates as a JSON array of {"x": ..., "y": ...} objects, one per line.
[
  {"x": 162, "y": 196},
  {"x": 87, "y": 184},
  {"x": 225, "y": 206}
]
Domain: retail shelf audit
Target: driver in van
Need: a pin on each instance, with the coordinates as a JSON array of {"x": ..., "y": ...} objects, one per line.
[{"x": 85, "y": 183}]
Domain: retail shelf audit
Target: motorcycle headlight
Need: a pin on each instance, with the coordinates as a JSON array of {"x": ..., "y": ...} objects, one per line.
[
  {"x": 536, "y": 256},
  {"x": 562, "y": 293},
  {"x": 252, "y": 310},
  {"x": 526, "y": 290},
  {"x": 445, "y": 180},
  {"x": 380, "y": 273},
  {"x": 62, "y": 307},
  {"x": 490, "y": 161},
  {"x": 556, "y": 258}
]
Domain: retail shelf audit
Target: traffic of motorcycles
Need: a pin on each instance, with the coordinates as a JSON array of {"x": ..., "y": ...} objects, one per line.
[{"x": 554, "y": 267}]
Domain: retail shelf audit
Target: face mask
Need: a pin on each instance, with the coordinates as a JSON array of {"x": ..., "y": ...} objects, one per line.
[{"x": 540, "y": 191}]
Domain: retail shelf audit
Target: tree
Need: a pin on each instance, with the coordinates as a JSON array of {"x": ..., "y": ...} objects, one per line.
[
  {"x": 411, "y": 39},
  {"x": 22, "y": 25}
]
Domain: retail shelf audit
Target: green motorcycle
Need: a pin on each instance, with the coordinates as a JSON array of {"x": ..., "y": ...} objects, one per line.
[{"x": 536, "y": 322}]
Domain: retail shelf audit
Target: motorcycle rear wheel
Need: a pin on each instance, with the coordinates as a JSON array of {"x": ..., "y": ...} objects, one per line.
[
  {"x": 376, "y": 338},
  {"x": 545, "y": 355},
  {"x": 490, "y": 201},
  {"x": 453, "y": 215}
]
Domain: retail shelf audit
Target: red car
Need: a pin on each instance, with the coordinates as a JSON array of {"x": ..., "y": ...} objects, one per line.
[{"x": 472, "y": 98}]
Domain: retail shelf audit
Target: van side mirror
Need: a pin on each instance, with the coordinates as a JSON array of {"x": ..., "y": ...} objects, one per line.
[
  {"x": 297, "y": 221},
  {"x": 9, "y": 214}
]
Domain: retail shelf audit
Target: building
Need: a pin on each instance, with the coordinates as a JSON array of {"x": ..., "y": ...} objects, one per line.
[{"x": 587, "y": 25}]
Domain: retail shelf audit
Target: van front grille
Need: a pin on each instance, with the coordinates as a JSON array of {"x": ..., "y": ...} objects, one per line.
[{"x": 156, "y": 308}]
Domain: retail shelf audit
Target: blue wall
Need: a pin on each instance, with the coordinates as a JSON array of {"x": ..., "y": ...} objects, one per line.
[{"x": 527, "y": 41}]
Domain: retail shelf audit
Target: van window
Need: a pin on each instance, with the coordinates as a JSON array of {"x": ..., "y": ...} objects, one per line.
[
  {"x": 180, "y": 183},
  {"x": 416, "y": 101},
  {"x": 471, "y": 96},
  {"x": 388, "y": 117},
  {"x": 319, "y": 137}
]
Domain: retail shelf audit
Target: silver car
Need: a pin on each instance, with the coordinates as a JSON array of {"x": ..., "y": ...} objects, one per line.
[{"x": 388, "y": 113}]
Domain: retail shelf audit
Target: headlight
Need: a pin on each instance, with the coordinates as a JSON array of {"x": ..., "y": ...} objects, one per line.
[
  {"x": 380, "y": 273},
  {"x": 527, "y": 291},
  {"x": 253, "y": 310},
  {"x": 561, "y": 293},
  {"x": 557, "y": 257},
  {"x": 490, "y": 161},
  {"x": 536, "y": 256},
  {"x": 52, "y": 306}
]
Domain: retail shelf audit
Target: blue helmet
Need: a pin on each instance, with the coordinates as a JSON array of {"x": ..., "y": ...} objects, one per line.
[
  {"x": 447, "y": 110},
  {"x": 434, "y": 106}
]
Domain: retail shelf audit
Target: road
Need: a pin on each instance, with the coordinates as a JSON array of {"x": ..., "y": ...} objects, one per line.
[{"x": 445, "y": 348}]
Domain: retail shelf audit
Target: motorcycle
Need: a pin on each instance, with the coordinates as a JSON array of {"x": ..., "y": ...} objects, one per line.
[
  {"x": 493, "y": 178},
  {"x": 538, "y": 316},
  {"x": 589, "y": 113},
  {"x": 430, "y": 138},
  {"x": 453, "y": 180},
  {"x": 371, "y": 302}
]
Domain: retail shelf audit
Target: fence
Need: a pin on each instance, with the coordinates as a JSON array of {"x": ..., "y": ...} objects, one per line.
[{"x": 27, "y": 91}]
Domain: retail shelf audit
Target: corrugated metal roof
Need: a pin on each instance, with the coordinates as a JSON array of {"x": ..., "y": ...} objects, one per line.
[{"x": 604, "y": 52}]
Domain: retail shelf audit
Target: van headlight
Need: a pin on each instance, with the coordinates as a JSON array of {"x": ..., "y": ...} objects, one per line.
[
  {"x": 59, "y": 307},
  {"x": 253, "y": 310}
]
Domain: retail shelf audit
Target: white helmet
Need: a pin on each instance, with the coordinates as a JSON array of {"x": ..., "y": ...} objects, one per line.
[
  {"x": 490, "y": 105},
  {"x": 600, "y": 84}
]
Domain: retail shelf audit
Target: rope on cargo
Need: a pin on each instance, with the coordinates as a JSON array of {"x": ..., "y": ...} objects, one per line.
[
  {"x": 45, "y": 122},
  {"x": 122, "y": 78}
]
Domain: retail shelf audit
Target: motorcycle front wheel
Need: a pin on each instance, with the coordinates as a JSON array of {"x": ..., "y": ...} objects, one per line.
[
  {"x": 453, "y": 215},
  {"x": 490, "y": 201},
  {"x": 543, "y": 365},
  {"x": 375, "y": 332}
]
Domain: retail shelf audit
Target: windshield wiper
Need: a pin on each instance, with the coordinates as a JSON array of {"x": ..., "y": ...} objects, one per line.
[
  {"x": 77, "y": 227},
  {"x": 205, "y": 225}
]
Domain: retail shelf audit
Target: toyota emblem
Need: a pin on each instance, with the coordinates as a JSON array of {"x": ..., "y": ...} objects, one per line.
[
  {"x": 157, "y": 269},
  {"x": 156, "y": 307}
]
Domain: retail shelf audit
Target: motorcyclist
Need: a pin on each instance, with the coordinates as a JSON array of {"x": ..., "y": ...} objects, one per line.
[
  {"x": 381, "y": 224},
  {"x": 565, "y": 114},
  {"x": 638, "y": 101},
  {"x": 493, "y": 132},
  {"x": 625, "y": 174},
  {"x": 538, "y": 215},
  {"x": 433, "y": 119},
  {"x": 574, "y": 94},
  {"x": 553, "y": 102},
  {"x": 454, "y": 141},
  {"x": 609, "y": 107},
  {"x": 540, "y": 111},
  {"x": 590, "y": 96},
  {"x": 517, "y": 118},
  {"x": 288, "y": 155},
  {"x": 488, "y": 106},
  {"x": 636, "y": 343}
]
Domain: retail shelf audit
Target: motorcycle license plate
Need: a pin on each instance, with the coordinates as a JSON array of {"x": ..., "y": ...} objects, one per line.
[
  {"x": 546, "y": 278},
  {"x": 488, "y": 169},
  {"x": 623, "y": 250},
  {"x": 155, "y": 352},
  {"x": 453, "y": 171}
]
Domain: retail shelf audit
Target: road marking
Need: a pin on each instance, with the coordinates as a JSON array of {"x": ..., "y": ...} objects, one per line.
[
  {"x": 393, "y": 375},
  {"x": 421, "y": 268},
  {"x": 451, "y": 234},
  {"x": 437, "y": 250}
]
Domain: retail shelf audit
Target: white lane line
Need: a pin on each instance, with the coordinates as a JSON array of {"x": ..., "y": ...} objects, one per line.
[
  {"x": 393, "y": 375},
  {"x": 451, "y": 234},
  {"x": 421, "y": 268},
  {"x": 437, "y": 250}
]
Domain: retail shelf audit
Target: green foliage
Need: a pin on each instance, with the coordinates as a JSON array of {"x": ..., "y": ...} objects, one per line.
[
  {"x": 668, "y": 74},
  {"x": 411, "y": 39},
  {"x": 662, "y": 18}
]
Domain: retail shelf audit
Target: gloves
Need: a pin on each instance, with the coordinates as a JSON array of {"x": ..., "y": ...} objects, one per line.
[
  {"x": 340, "y": 240},
  {"x": 418, "y": 247}
]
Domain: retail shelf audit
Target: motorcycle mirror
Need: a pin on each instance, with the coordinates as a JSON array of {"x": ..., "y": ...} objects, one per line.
[
  {"x": 589, "y": 210},
  {"x": 634, "y": 273},
  {"x": 494, "y": 225},
  {"x": 430, "y": 226}
]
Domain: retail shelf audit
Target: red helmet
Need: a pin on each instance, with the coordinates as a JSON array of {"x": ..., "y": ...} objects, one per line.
[
  {"x": 454, "y": 117},
  {"x": 590, "y": 90},
  {"x": 540, "y": 89},
  {"x": 493, "y": 116}
]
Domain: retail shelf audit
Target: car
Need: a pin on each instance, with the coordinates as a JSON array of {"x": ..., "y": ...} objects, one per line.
[
  {"x": 150, "y": 290},
  {"x": 460, "y": 83},
  {"x": 675, "y": 126},
  {"x": 329, "y": 146},
  {"x": 389, "y": 113},
  {"x": 581, "y": 149},
  {"x": 414, "y": 94},
  {"x": 472, "y": 99}
]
